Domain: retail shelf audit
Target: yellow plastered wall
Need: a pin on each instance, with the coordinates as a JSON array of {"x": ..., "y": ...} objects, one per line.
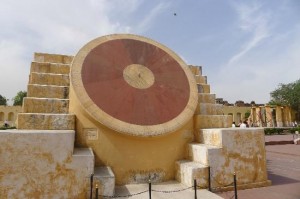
[{"x": 131, "y": 158}]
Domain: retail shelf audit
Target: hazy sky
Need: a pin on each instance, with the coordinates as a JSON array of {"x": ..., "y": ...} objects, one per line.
[{"x": 246, "y": 48}]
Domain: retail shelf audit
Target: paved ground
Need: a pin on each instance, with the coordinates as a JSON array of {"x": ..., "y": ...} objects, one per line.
[
  {"x": 168, "y": 186},
  {"x": 283, "y": 163}
]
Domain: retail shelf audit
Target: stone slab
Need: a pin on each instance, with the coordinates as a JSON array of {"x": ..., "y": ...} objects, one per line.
[
  {"x": 201, "y": 152},
  {"x": 203, "y": 88},
  {"x": 212, "y": 121},
  {"x": 283, "y": 171},
  {"x": 41, "y": 121},
  {"x": 206, "y": 98},
  {"x": 105, "y": 179},
  {"x": 53, "y": 58},
  {"x": 45, "y": 91},
  {"x": 54, "y": 68},
  {"x": 49, "y": 79},
  {"x": 209, "y": 109},
  {"x": 196, "y": 70},
  {"x": 45, "y": 105},
  {"x": 40, "y": 164},
  {"x": 187, "y": 171},
  {"x": 201, "y": 79}
]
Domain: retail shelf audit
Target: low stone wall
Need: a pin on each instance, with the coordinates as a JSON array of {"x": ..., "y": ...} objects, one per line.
[{"x": 43, "y": 164}]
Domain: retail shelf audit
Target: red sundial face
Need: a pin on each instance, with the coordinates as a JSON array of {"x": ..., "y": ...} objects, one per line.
[
  {"x": 134, "y": 85},
  {"x": 135, "y": 82}
]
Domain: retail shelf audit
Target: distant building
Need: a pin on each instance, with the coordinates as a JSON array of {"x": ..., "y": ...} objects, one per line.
[
  {"x": 258, "y": 115},
  {"x": 9, "y": 114}
]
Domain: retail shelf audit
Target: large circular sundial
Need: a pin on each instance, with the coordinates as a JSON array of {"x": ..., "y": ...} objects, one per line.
[{"x": 134, "y": 85}]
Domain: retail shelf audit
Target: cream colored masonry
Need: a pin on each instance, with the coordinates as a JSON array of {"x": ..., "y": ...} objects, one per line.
[{"x": 40, "y": 160}]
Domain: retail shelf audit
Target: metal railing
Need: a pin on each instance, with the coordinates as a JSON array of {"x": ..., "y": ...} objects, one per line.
[{"x": 150, "y": 189}]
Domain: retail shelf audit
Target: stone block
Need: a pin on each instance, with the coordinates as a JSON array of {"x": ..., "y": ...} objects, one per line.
[
  {"x": 209, "y": 109},
  {"x": 105, "y": 179},
  {"x": 53, "y": 58},
  {"x": 206, "y": 98},
  {"x": 187, "y": 171},
  {"x": 49, "y": 79},
  {"x": 55, "y": 68},
  {"x": 209, "y": 136},
  {"x": 203, "y": 88},
  {"x": 242, "y": 151},
  {"x": 46, "y": 121},
  {"x": 40, "y": 164},
  {"x": 45, "y": 105},
  {"x": 212, "y": 121},
  {"x": 202, "y": 153},
  {"x": 196, "y": 70},
  {"x": 201, "y": 79},
  {"x": 45, "y": 91}
]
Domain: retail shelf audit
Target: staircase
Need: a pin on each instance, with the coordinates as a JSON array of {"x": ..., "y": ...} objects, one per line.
[
  {"x": 208, "y": 115},
  {"x": 46, "y": 107}
]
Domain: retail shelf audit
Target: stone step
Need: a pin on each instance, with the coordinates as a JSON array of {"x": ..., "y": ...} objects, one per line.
[
  {"x": 209, "y": 109},
  {"x": 84, "y": 156},
  {"x": 187, "y": 171},
  {"x": 203, "y": 88},
  {"x": 56, "y": 68},
  {"x": 45, "y": 91},
  {"x": 206, "y": 98},
  {"x": 53, "y": 58},
  {"x": 39, "y": 121},
  {"x": 203, "y": 153},
  {"x": 196, "y": 70},
  {"x": 201, "y": 79},
  {"x": 212, "y": 121},
  {"x": 105, "y": 178},
  {"x": 45, "y": 105},
  {"x": 49, "y": 79},
  {"x": 83, "y": 161},
  {"x": 212, "y": 137},
  {"x": 221, "y": 137}
]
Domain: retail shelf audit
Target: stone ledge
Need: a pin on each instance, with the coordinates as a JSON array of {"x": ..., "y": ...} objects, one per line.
[
  {"x": 54, "y": 68},
  {"x": 49, "y": 79},
  {"x": 45, "y": 105},
  {"x": 53, "y": 58},
  {"x": 40, "y": 121},
  {"x": 45, "y": 91}
]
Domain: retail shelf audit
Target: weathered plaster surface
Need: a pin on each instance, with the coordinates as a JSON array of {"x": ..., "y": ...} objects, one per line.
[
  {"x": 40, "y": 164},
  {"x": 241, "y": 151},
  {"x": 46, "y": 121},
  {"x": 131, "y": 158}
]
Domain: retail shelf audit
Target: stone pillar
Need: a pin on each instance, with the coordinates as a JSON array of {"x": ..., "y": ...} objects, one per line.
[
  {"x": 279, "y": 116},
  {"x": 258, "y": 116},
  {"x": 253, "y": 116},
  {"x": 288, "y": 116},
  {"x": 269, "y": 118}
]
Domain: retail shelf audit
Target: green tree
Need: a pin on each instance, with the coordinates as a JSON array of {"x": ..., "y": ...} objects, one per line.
[
  {"x": 3, "y": 100},
  {"x": 287, "y": 95},
  {"x": 18, "y": 99}
]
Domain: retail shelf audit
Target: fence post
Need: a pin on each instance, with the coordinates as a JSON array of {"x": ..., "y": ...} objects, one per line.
[
  {"x": 149, "y": 188},
  {"x": 96, "y": 191},
  {"x": 195, "y": 188},
  {"x": 235, "y": 190},
  {"x": 209, "y": 186},
  {"x": 91, "y": 184}
]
